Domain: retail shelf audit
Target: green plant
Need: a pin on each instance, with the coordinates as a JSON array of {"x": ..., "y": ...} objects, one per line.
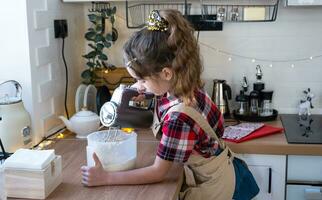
[{"x": 98, "y": 41}]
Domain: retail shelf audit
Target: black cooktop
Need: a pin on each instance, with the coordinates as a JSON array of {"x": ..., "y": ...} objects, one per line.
[{"x": 302, "y": 129}]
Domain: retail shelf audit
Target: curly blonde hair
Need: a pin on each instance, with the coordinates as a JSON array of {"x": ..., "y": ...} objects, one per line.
[{"x": 177, "y": 48}]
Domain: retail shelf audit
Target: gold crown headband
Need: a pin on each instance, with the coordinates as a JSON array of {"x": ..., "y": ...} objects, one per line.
[{"x": 156, "y": 22}]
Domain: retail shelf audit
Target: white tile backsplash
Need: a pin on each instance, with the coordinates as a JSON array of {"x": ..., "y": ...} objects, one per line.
[{"x": 295, "y": 34}]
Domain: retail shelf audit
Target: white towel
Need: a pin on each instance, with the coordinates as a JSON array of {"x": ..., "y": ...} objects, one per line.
[{"x": 30, "y": 159}]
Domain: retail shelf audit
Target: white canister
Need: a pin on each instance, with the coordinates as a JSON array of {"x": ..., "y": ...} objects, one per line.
[
  {"x": 15, "y": 121},
  {"x": 116, "y": 149}
]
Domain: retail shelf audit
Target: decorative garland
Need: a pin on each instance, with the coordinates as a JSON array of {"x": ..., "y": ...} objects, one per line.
[{"x": 253, "y": 60}]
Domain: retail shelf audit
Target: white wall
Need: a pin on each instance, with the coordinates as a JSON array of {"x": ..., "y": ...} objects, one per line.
[
  {"x": 296, "y": 33},
  {"x": 48, "y": 72},
  {"x": 14, "y": 50},
  {"x": 31, "y": 55}
]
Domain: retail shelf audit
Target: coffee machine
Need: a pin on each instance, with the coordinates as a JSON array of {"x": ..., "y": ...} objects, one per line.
[{"x": 220, "y": 95}]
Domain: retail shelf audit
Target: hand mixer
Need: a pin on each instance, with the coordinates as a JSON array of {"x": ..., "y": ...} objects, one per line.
[{"x": 119, "y": 113}]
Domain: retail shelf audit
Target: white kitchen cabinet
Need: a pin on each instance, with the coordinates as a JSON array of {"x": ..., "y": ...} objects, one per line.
[
  {"x": 304, "y": 178},
  {"x": 304, "y": 168},
  {"x": 269, "y": 172},
  {"x": 303, "y": 192}
]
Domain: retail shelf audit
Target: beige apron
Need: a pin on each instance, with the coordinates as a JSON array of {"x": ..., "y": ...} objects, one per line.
[{"x": 205, "y": 178}]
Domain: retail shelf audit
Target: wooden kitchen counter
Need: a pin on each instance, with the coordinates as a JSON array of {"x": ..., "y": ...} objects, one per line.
[
  {"x": 272, "y": 144},
  {"x": 275, "y": 144},
  {"x": 73, "y": 153}
]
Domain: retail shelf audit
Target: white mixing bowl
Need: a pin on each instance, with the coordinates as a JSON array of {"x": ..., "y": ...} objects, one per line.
[{"x": 115, "y": 149}]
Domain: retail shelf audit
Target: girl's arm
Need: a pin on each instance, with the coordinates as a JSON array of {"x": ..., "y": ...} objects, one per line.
[{"x": 94, "y": 176}]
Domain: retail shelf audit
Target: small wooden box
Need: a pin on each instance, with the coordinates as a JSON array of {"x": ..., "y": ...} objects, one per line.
[{"x": 33, "y": 184}]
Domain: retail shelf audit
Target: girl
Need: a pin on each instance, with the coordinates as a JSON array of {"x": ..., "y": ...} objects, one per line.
[{"x": 164, "y": 59}]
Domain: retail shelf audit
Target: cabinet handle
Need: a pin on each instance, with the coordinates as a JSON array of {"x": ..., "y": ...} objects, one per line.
[{"x": 269, "y": 180}]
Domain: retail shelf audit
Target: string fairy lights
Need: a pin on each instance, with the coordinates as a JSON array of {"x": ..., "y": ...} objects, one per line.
[{"x": 271, "y": 62}]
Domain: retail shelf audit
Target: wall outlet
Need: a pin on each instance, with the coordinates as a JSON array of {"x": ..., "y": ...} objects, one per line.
[{"x": 61, "y": 28}]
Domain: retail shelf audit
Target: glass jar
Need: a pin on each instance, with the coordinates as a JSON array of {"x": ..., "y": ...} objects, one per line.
[
  {"x": 234, "y": 14},
  {"x": 242, "y": 103},
  {"x": 254, "y": 102},
  {"x": 221, "y": 14},
  {"x": 266, "y": 106}
]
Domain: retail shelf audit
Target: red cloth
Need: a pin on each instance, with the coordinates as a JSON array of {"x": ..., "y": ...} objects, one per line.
[{"x": 263, "y": 131}]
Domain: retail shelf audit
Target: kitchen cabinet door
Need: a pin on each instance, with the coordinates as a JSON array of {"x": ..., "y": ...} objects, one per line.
[
  {"x": 304, "y": 168},
  {"x": 303, "y": 192},
  {"x": 269, "y": 172}
]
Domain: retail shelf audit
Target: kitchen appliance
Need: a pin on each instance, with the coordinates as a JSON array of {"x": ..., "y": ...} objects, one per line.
[
  {"x": 302, "y": 129},
  {"x": 82, "y": 123},
  {"x": 220, "y": 95},
  {"x": 122, "y": 112},
  {"x": 15, "y": 121}
]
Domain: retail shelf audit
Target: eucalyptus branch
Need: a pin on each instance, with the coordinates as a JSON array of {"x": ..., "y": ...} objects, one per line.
[{"x": 98, "y": 41}]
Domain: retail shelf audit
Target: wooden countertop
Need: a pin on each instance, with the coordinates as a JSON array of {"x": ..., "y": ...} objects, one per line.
[
  {"x": 73, "y": 152},
  {"x": 275, "y": 144},
  {"x": 74, "y": 156}
]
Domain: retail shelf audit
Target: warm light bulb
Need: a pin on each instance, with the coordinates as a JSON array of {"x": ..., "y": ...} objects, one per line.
[
  {"x": 106, "y": 71},
  {"x": 229, "y": 59},
  {"x": 271, "y": 65},
  {"x": 127, "y": 130},
  {"x": 292, "y": 65},
  {"x": 60, "y": 136},
  {"x": 311, "y": 58},
  {"x": 253, "y": 60}
]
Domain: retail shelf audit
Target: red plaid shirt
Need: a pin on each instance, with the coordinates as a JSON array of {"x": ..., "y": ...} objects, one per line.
[{"x": 181, "y": 135}]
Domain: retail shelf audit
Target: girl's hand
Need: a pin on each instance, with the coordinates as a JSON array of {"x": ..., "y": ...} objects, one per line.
[
  {"x": 140, "y": 97},
  {"x": 94, "y": 176},
  {"x": 141, "y": 90}
]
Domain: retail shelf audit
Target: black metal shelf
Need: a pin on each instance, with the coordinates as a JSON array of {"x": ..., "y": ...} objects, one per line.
[{"x": 204, "y": 15}]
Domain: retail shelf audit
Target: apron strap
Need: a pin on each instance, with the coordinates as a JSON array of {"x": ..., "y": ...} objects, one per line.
[
  {"x": 197, "y": 117},
  {"x": 156, "y": 125}
]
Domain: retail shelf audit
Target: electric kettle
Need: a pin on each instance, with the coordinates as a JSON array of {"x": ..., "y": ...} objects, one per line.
[
  {"x": 220, "y": 95},
  {"x": 120, "y": 113},
  {"x": 15, "y": 121}
]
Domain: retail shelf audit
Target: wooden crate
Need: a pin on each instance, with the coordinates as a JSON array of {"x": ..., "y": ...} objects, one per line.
[{"x": 33, "y": 184}]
